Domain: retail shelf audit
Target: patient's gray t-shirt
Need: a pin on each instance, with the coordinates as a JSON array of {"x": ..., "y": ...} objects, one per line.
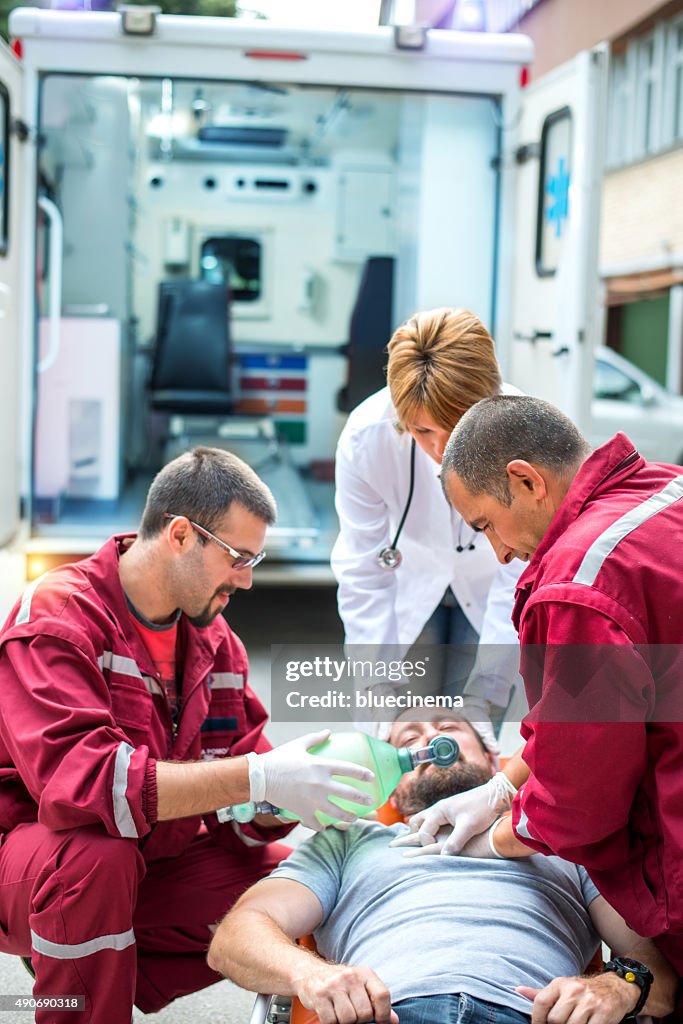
[{"x": 432, "y": 925}]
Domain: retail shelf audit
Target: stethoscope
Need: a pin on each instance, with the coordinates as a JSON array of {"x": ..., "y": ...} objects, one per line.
[{"x": 391, "y": 557}]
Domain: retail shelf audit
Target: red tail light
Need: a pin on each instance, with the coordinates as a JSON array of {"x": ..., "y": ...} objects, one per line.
[{"x": 275, "y": 55}]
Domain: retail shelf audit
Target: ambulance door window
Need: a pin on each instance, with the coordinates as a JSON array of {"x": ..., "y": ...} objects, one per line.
[
  {"x": 236, "y": 261},
  {"x": 554, "y": 190}
]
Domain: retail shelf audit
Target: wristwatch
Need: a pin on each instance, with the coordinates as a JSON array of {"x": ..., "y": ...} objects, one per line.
[{"x": 636, "y": 974}]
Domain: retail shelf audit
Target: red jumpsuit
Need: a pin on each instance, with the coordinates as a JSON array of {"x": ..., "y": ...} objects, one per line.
[
  {"x": 600, "y": 617},
  {"x": 108, "y": 902}
]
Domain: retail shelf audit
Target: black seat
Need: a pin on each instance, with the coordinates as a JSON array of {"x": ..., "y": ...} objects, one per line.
[
  {"x": 369, "y": 333},
  {"x": 191, "y": 370}
]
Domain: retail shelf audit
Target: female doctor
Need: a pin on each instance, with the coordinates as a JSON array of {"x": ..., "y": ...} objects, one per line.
[{"x": 409, "y": 568}]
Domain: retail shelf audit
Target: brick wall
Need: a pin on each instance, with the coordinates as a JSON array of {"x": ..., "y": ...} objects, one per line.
[{"x": 642, "y": 210}]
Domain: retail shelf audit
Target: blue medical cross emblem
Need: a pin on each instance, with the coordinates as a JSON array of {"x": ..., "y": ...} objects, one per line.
[{"x": 557, "y": 188}]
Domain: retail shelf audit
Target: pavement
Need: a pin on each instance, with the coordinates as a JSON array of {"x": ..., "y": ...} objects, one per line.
[{"x": 223, "y": 1003}]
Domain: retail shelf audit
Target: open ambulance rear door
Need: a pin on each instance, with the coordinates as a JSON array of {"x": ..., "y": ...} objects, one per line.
[
  {"x": 556, "y": 319},
  {"x": 12, "y": 248}
]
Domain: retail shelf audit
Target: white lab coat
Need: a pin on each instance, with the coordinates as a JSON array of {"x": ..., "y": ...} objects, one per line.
[{"x": 390, "y": 607}]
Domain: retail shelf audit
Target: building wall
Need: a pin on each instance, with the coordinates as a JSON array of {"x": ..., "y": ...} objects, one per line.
[
  {"x": 562, "y": 28},
  {"x": 641, "y": 231},
  {"x": 642, "y": 212}
]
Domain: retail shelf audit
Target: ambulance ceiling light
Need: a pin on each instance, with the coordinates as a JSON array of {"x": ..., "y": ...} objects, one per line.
[{"x": 169, "y": 125}]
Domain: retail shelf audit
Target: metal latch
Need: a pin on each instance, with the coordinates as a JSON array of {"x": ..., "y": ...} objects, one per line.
[
  {"x": 280, "y": 1010},
  {"x": 138, "y": 21},
  {"x": 410, "y": 37}
]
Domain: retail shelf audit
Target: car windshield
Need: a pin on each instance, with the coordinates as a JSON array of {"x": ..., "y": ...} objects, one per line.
[{"x": 609, "y": 382}]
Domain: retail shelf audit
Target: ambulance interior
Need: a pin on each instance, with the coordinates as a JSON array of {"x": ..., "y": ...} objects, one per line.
[{"x": 238, "y": 230}]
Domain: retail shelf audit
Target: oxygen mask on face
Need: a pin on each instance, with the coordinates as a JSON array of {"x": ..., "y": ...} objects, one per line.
[{"x": 388, "y": 763}]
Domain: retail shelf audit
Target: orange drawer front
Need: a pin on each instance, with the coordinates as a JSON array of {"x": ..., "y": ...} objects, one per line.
[{"x": 271, "y": 405}]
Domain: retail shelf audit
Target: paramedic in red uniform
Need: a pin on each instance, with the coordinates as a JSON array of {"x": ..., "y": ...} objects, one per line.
[
  {"x": 602, "y": 532},
  {"x": 125, "y": 718}
]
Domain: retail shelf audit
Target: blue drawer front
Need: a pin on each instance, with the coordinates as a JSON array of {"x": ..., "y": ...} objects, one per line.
[{"x": 273, "y": 362}]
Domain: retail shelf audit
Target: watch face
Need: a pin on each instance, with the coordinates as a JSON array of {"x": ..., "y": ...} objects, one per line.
[{"x": 632, "y": 965}]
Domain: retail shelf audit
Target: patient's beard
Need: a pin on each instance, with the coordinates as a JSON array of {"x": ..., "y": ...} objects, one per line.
[{"x": 437, "y": 783}]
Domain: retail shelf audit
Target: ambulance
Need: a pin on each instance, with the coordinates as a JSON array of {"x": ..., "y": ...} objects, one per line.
[{"x": 209, "y": 228}]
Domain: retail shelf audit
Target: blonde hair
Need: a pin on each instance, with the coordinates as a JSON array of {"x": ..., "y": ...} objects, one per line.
[{"x": 441, "y": 361}]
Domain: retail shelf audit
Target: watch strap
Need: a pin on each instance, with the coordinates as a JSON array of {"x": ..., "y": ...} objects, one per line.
[{"x": 638, "y": 974}]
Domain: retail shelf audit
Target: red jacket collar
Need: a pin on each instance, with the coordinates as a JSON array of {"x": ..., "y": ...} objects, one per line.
[
  {"x": 615, "y": 460},
  {"x": 103, "y": 567}
]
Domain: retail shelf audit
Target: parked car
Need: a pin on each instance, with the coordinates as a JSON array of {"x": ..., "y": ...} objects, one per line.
[{"x": 625, "y": 398}]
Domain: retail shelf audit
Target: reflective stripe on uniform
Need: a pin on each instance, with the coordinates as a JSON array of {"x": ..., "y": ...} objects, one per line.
[
  {"x": 153, "y": 686},
  {"x": 122, "y": 816},
  {"x": 74, "y": 950},
  {"x": 605, "y": 544},
  {"x": 118, "y": 663},
  {"x": 522, "y": 828},
  {"x": 128, "y": 667},
  {"x": 226, "y": 681},
  {"x": 24, "y": 613}
]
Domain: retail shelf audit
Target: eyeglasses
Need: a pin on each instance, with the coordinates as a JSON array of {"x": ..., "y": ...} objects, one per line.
[{"x": 241, "y": 561}]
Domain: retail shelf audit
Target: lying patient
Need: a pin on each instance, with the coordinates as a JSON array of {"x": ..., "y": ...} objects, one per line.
[{"x": 441, "y": 940}]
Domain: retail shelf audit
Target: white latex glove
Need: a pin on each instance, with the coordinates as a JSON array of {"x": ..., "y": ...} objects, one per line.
[
  {"x": 477, "y": 711},
  {"x": 342, "y": 826},
  {"x": 469, "y": 814},
  {"x": 481, "y": 846},
  {"x": 291, "y": 778}
]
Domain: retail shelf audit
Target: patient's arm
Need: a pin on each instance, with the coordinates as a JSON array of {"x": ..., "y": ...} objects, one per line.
[
  {"x": 623, "y": 941},
  {"x": 606, "y": 998},
  {"x": 254, "y": 946}
]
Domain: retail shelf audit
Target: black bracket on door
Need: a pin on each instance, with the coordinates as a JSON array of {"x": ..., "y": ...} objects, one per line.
[
  {"x": 19, "y": 129},
  {"x": 530, "y": 151},
  {"x": 533, "y": 338}
]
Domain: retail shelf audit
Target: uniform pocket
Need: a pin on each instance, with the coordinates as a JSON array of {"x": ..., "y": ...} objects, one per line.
[
  {"x": 647, "y": 870},
  {"x": 225, "y": 722},
  {"x": 131, "y": 707}
]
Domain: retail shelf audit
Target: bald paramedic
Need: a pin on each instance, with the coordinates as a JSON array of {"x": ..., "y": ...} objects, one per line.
[
  {"x": 598, "y": 610},
  {"x": 126, "y": 722}
]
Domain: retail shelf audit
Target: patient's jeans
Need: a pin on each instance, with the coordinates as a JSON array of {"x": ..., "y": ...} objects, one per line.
[{"x": 456, "y": 1009}]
